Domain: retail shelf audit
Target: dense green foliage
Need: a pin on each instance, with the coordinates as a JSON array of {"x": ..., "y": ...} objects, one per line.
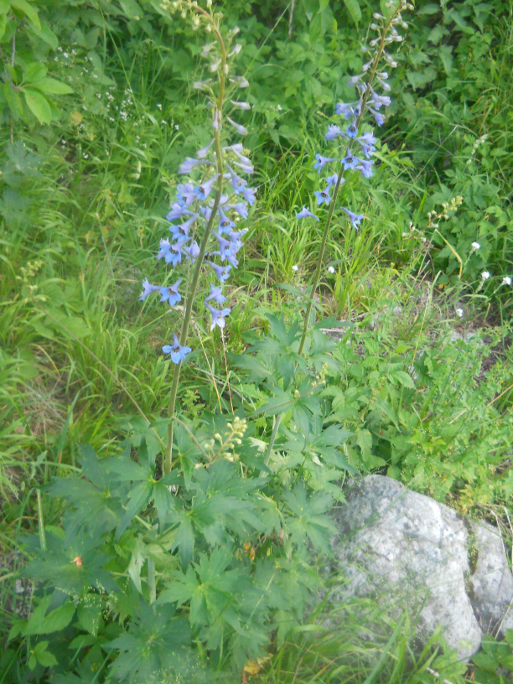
[{"x": 198, "y": 574}]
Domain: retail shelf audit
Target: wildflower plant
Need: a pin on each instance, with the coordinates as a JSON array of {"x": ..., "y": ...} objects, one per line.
[
  {"x": 356, "y": 147},
  {"x": 208, "y": 206}
]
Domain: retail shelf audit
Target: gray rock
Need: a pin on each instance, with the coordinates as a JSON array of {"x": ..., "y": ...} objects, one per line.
[
  {"x": 491, "y": 584},
  {"x": 410, "y": 552}
]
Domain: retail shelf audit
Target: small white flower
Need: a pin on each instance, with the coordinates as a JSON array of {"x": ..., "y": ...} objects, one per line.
[
  {"x": 475, "y": 246},
  {"x": 331, "y": 269},
  {"x": 404, "y": 234},
  {"x": 459, "y": 313},
  {"x": 506, "y": 280},
  {"x": 159, "y": 106},
  {"x": 295, "y": 267},
  {"x": 485, "y": 275}
]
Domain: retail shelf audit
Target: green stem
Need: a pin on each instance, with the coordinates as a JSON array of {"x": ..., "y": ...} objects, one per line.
[
  {"x": 317, "y": 273},
  {"x": 168, "y": 456}
]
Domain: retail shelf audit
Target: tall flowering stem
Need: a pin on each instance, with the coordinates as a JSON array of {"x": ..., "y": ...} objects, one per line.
[
  {"x": 211, "y": 219},
  {"x": 356, "y": 111},
  {"x": 168, "y": 457}
]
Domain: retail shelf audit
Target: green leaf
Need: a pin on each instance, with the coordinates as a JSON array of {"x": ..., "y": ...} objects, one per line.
[
  {"x": 131, "y": 9},
  {"x": 49, "y": 37},
  {"x": 184, "y": 540},
  {"x": 404, "y": 379},
  {"x": 44, "y": 657},
  {"x": 432, "y": 8},
  {"x": 445, "y": 52},
  {"x": 419, "y": 79},
  {"x": 354, "y": 10},
  {"x": 139, "y": 498},
  {"x": 38, "y": 105},
  {"x": 53, "y": 622},
  {"x": 364, "y": 441},
  {"x": 276, "y": 405},
  {"x": 90, "y": 614},
  {"x": 308, "y": 517},
  {"x": 13, "y": 100},
  {"x": 3, "y": 25},
  {"x": 34, "y": 72},
  {"x": 139, "y": 555},
  {"x": 53, "y": 87},
  {"x": 28, "y": 11}
]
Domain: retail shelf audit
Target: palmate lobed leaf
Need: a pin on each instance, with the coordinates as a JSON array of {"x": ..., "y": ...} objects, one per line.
[
  {"x": 212, "y": 589},
  {"x": 308, "y": 519},
  {"x": 155, "y": 645},
  {"x": 56, "y": 564}
]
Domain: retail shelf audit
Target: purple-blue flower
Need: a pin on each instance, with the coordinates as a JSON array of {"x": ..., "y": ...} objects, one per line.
[
  {"x": 380, "y": 100},
  {"x": 217, "y": 317},
  {"x": 245, "y": 168},
  {"x": 345, "y": 110},
  {"x": 238, "y": 183},
  {"x": 222, "y": 272},
  {"x": 322, "y": 161},
  {"x": 192, "y": 252},
  {"x": 170, "y": 294},
  {"x": 367, "y": 141},
  {"x": 224, "y": 222},
  {"x": 304, "y": 213},
  {"x": 249, "y": 194},
  {"x": 203, "y": 191},
  {"x": 178, "y": 353},
  {"x": 177, "y": 211},
  {"x": 240, "y": 208},
  {"x": 147, "y": 289},
  {"x": 365, "y": 167},
  {"x": 332, "y": 180},
  {"x": 171, "y": 253},
  {"x": 216, "y": 294},
  {"x": 240, "y": 129},
  {"x": 185, "y": 194},
  {"x": 333, "y": 132},
  {"x": 349, "y": 162},
  {"x": 323, "y": 197},
  {"x": 190, "y": 163},
  {"x": 378, "y": 117},
  {"x": 235, "y": 236},
  {"x": 355, "y": 219},
  {"x": 201, "y": 154},
  {"x": 184, "y": 227},
  {"x": 352, "y": 129}
]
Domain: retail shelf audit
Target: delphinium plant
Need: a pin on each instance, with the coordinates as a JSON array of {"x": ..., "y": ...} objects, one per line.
[
  {"x": 356, "y": 147},
  {"x": 203, "y": 219}
]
